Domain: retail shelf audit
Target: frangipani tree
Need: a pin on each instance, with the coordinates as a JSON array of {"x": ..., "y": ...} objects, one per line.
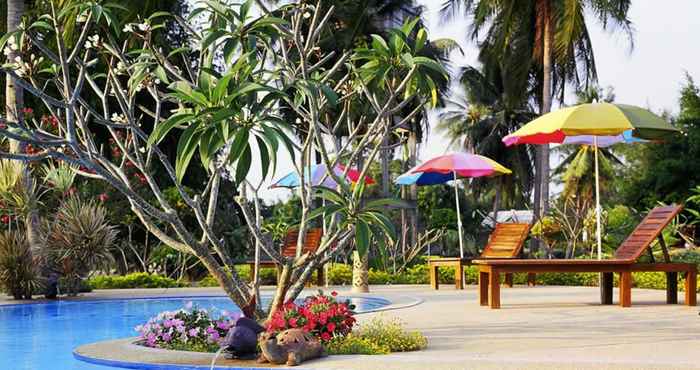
[{"x": 223, "y": 96}]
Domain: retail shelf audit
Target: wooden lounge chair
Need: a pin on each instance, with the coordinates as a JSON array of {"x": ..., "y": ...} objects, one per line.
[
  {"x": 312, "y": 240},
  {"x": 506, "y": 241},
  {"x": 624, "y": 263}
]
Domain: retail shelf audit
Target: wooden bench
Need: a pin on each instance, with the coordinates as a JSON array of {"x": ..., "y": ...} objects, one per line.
[
  {"x": 312, "y": 240},
  {"x": 505, "y": 242},
  {"x": 624, "y": 263}
]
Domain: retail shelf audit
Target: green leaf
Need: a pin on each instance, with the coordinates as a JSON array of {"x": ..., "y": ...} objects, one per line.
[
  {"x": 164, "y": 127},
  {"x": 240, "y": 142},
  {"x": 361, "y": 237},
  {"x": 185, "y": 150},
  {"x": 211, "y": 37},
  {"x": 421, "y": 39},
  {"x": 265, "y": 162},
  {"x": 431, "y": 64},
  {"x": 243, "y": 164}
]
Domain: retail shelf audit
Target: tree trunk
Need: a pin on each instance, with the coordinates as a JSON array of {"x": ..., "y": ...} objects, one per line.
[
  {"x": 546, "y": 106},
  {"x": 413, "y": 189},
  {"x": 497, "y": 200},
  {"x": 360, "y": 273},
  {"x": 385, "y": 168},
  {"x": 14, "y": 97}
]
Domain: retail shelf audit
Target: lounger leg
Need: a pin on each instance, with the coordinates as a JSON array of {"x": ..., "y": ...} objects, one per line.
[
  {"x": 691, "y": 287},
  {"x": 531, "y": 279},
  {"x": 508, "y": 280},
  {"x": 671, "y": 287},
  {"x": 606, "y": 291},
  {"x": 494, "y": 289},
  {"x": 434, "y": 276},
  {"x": 459, "y": 276},
  {"x": 626, "y": 289},
  {"x": 483, "y": 288}
]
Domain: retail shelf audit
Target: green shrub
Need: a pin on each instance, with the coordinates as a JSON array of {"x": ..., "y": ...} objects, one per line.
[
  {"x": 354, "y": 345},
  {"x": 18, "y": 275},
  {"x": 392, "y": 335},
  {"x": 133, "y": 281},
  {"x": 268, "y": 276},
  {"x": 340, "y": 274},
  {"x": 378, "y": 337}
]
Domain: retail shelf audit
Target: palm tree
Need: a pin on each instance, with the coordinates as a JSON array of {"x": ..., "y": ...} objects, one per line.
[
  {"x": 549, "y": 44},
  {"x": 477, "y": 121}
]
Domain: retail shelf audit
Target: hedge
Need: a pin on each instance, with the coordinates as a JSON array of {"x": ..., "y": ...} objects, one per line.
[{"x": 132, "y": 281}]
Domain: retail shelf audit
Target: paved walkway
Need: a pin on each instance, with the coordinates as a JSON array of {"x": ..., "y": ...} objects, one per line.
[{"x": 537, "y": 328}]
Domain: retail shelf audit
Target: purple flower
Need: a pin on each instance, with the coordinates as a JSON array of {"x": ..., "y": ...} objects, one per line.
[
  {"x": 193, "y": 332},
  {"x": 166, "y": 338}
]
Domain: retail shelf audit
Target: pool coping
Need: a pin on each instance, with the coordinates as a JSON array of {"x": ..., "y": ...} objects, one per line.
[{"x": 124, "y": 353}]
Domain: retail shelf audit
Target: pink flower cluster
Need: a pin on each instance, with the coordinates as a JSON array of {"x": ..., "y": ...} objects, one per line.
[
  {"x": 190, "y": 325},
  {"x": 320, "y": 315}
]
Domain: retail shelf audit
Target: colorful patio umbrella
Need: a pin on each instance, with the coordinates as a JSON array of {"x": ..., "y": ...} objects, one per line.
[
  {"x": 317, "y": 175},
  {"x": 597, "y": 124},
  {"x": 451, "y": 167}
]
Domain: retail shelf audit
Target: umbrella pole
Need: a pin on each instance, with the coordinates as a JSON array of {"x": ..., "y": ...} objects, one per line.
[
  {"x": 459, "y": 218},
  {"x": 597, "y": 199}
]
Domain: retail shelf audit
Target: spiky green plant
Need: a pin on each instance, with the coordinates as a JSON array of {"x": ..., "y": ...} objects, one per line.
[
  {"x": 18, "y": 275},
  {"x": 18, "y": 195},
  {"x": 79, "y": 239},
  {"x": 60, "y": 177}
]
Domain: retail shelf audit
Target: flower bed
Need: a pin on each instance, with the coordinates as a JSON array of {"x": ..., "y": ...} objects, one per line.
[
  {"x": 320, "y": 315},
  {"x": 188, "y": 329}
]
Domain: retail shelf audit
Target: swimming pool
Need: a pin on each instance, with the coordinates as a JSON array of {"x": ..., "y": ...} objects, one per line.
[{"x": 42, "y": 336}]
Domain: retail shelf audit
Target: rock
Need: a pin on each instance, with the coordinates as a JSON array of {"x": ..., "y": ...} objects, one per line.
[
  {"x": 242, "y": 339},
  {"x": 290, "y": 347}
]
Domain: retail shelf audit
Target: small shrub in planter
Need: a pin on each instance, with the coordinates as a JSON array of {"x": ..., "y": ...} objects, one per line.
[
  {"x": 188, "y": 329},
  {"x": 378, "y": 337},
  {"x": 321, "y": 315}
]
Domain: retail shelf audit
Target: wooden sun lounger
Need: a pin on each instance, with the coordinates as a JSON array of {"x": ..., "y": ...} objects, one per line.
[
  {"x": 624, "y": 263},
  {"x": 312, "y": 240},
  {"x": 506, "y": 241}
]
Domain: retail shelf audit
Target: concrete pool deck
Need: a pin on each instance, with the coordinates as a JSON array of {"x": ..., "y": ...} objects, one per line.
[{"x": 537, "y": 328}]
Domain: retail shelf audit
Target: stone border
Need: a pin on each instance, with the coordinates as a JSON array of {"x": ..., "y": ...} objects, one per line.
[{"x": 124, "y": 353}]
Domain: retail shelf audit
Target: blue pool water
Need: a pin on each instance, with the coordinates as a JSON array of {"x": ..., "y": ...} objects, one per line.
[{"x": 43, "y": 336}]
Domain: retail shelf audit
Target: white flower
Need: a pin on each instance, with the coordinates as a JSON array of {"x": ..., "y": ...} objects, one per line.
[
  {"x": 119, "y": 118},
  {"x": 144, "y": 26},
  {"x": 307, "y": 15},
  {"x": 129, "y": 27},
  {"x": 157, "y": 81},
  {"x": 92, "y": 42}
]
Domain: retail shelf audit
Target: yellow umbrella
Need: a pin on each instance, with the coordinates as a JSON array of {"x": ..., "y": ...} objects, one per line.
[{"x": 593, "y": 123}]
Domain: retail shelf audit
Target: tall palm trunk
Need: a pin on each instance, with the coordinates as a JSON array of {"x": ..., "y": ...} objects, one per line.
[
  {"x": 546, "y": 105},
  {"x": 541, "y": 196},
  {"x": 14, "y": 97}
]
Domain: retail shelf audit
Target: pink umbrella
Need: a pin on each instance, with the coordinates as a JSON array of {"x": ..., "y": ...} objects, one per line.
[{"x": 459, "y": 165}]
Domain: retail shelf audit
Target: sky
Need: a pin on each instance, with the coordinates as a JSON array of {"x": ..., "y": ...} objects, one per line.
[{"x": 650, "y": 74}]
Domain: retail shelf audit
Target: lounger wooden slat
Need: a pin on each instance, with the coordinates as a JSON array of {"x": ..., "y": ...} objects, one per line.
[
  {"x": 623, "y": 263},
  {"x": 506, "y": 241},
  {"x": 312, "y": 240}
]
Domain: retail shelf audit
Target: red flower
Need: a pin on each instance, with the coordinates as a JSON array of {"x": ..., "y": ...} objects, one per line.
[
  {"x": 334, "y": 293},
  {"x": 325, "y": 337},
  {"x": 103, "y": 197},
  {"x": 5, "y": 219},
  {"x": 293, "y": 322},
  {"x": 27, "y": 111},
  {"x": 330, "y": 327}
]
